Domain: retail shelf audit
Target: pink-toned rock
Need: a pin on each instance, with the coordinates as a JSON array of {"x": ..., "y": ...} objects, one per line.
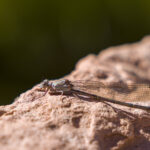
[{"x": 51, "y": 122}]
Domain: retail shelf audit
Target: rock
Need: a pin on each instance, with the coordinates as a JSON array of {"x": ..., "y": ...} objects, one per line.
[{"x": 54, "y": 122}]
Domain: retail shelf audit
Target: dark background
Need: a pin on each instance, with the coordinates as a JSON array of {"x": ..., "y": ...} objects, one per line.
[{"x": 45, "y": 39}]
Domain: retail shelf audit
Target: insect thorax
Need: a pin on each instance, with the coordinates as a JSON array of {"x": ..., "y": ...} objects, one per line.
[{"x": 62, "y": 85}]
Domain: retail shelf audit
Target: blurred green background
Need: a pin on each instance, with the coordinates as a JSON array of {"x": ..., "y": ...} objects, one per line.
[{"x": 45, "y": 39}]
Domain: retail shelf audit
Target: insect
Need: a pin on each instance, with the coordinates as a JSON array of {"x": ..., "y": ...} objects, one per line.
[{"x": 80, "y": 88}]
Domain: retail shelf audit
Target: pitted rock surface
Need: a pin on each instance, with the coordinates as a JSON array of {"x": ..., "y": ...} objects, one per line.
[{"x": 58, "y": 122}]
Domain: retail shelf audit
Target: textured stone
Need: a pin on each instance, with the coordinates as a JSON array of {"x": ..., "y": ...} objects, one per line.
[{"x": 54, "y": 122}]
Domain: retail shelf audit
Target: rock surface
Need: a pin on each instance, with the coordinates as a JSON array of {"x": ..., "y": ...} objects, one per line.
[{"x": 35, "y": 122}]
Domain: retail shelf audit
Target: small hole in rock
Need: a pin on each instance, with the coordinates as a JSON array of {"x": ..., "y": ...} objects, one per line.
[{"x": 76, "y": 121}]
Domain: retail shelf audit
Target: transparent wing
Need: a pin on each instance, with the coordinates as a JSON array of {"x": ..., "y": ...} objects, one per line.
[
  {"x": 115, "y": 90},
  {"x": 86, "y": 84}
]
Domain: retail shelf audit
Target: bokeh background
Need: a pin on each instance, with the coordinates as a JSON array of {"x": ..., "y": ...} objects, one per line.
[{"x": 45, "y": 39}]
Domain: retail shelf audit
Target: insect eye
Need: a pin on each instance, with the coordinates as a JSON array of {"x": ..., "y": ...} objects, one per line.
[{"x": 45, "y": 83}]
